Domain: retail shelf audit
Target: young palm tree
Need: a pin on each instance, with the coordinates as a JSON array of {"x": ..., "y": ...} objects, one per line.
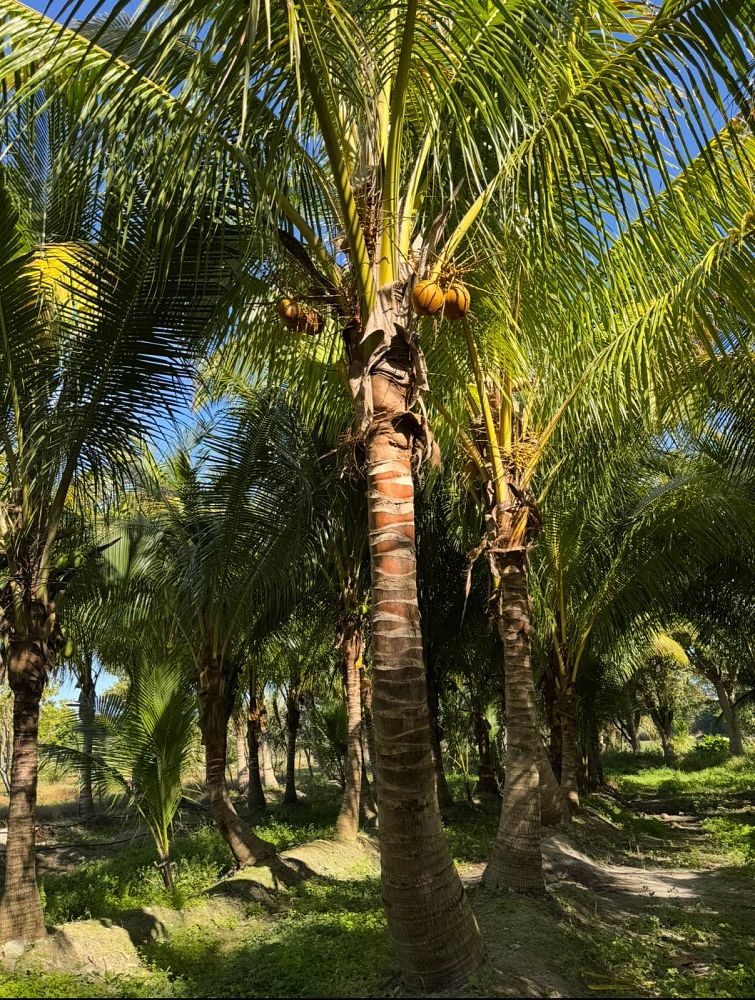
[{"x": 142, "y": 745}]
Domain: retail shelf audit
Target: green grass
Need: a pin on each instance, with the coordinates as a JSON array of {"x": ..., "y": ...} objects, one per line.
[
  {"x": 329, "y": 940},
  {"x": 328, "y": 937},
  {"x": 737, "y": 774},
  {"x": 677, "y": 947},
  {"x": 107, "y": 887}
]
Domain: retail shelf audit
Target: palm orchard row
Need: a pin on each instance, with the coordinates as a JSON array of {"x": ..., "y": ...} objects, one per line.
[{"x": 241, "y": 201}]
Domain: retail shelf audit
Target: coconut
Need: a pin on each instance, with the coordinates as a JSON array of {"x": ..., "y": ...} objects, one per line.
[
  {"x": 427, "y": 298},
  {"x": 456, "y": 303},
  {"x": 292, "y": 313}
]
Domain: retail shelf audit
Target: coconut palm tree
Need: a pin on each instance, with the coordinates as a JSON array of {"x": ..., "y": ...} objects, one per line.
[
  {"x": 229, "y": 523},
  {"x": 94, "y": 344},
  {"x": 376, "y": 137},
  {"x": 517, "y": 395}
]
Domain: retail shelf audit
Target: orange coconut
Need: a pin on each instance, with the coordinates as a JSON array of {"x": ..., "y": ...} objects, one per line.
[
  {"x": 427, "y": 297},
  {"x": 292, "y": 313},
  {"x": 456, "y": 303}
]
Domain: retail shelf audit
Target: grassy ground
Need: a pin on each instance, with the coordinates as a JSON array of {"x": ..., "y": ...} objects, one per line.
[{"x": 606, "y": 929}]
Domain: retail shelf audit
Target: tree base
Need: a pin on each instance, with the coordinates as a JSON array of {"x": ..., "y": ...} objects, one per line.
[
  {"x": 21, "y": 917},
  {"x": 508, "y": 878}
]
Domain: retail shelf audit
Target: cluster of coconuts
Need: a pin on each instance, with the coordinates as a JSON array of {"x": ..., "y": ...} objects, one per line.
[
  {"x": 430, "y": 298},
  {"x": 298, "y": 317}
]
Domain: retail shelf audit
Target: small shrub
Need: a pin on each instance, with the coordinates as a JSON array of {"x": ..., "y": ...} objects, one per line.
[{"x": 708, "y": 751}]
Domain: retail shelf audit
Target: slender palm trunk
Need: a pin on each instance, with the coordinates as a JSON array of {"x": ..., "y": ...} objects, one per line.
[
  {"x": 369, "y": 727},
  {"x": 553, "y": 805},
  {"x": 367, "y": 804},
  {"x": 486, "y": 783},
  {"x": 633, "y": 725},
  {"x": 445, "y": 799},
  {"x": 21, "y": 907},
  {"x": 516, "y": 861},
  {"x": 255, "y": 792},
  {"x": 86, "y": 719},
  {"x": 347, "y": 824},
  {"x": 269, "y": 779},
  {"x": 567, "y": 710},
  {"x": 550, "y": 699},
  {"x": 242, "y": 769},
  {"x": 730, "y": 712},
  {"x": 435, "y": 935},
  {"x": 293, "y": 716},
  {"x": 165, "y": 865},
  {"x": 215, "y": 702},
  {"x": 663, "y": 720},
  {"x": 594, "y": 765}
]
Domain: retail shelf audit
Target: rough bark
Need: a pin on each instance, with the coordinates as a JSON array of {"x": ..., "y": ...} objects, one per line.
[
  {"x": 486, "y": 783},
  {"x": 516, "y": 860},
  {"x": 215, "y": 703},
  {"x": 347, "y": 823},
  {"x": 293, "y": 716},
  {"x": 567, "y": 710},
  {"x": 86, "y": 719},
  {"x": 21, "y": 907},
  {"x": 435, "y": 935},
  {"x": 255, "y": 792},
  {"x": 445, "y": 799},
  {"x": 730, "y": 712}
]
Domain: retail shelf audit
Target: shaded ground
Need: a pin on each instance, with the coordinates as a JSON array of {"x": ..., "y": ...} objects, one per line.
[{"x": 648, "y": 896}]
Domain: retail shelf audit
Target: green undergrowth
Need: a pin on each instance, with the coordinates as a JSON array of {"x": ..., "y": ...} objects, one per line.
[
  {"x": 131, "y": 878},
  {"x": 329, "y": 938},
  {"x": 326, "y": 939},
  {"x": 735, "y": 775}
]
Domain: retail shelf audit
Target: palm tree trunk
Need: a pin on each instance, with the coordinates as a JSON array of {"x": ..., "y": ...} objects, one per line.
[
  {"x": 367, "y": 804},
  {"x": 550, "y": 698},
  {"x": 435, "y": 935},
  {"x": 242, "y": 770},
  {"x": 730, "y": 712},
  {"x": 633, "y": 727},
  {"x": 347, "y": 824},
  {"x": 486, "y": 783},
  {"x": 86, "y": 719},
  {"x": 215, "y": 702},
  {"x": 516, "y": 861},
  {"x": 21, "y": 907},
  {"x": 445, "y": 799},
  {"x": 255, "y": 792},
  {"x": 293, "y": 715},
  {"x": 269, "y": 779},
  {"x": 553, "y": 806},
  {"x": 369, "y": 727},
  {"x": 594, "y": 766},
  {"x": 664, "y": 724},
  {"x": 567, "y": 710}
]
